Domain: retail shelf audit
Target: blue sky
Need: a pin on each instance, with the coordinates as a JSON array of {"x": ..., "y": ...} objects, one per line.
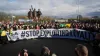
[{"x": 51, "y": 7}]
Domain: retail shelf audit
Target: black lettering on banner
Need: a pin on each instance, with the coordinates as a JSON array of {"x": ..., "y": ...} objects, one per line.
[
  {"x": 34, "y": 33},
  {"x": 63, "y": 33},
  {"x": 42, "y": 33},
  {"x": 45, "y": 33},
  {"x": 31, "y": 32},
  {"x": 74, "y": 33},
  {"x": 54, "y": 32},
  {"x": 48, "y": 32},
  {"x": 37, "y": 32},
  {"x": 27, "y": 33},
  {"x": 16, "y": 33},
  {"x": 70, "y": 32},
  {"x": 57, "y": 32},
  {"x": 23, "y": 34},
  {"x": 91, "y": 35},
  {"x": 60, "y": 32},
  {"x": 78, "y": 33},
  {"x": 85, "y": 35},
  {"x": 82, "y": 35},
  {"x": 66, "y": 33}
]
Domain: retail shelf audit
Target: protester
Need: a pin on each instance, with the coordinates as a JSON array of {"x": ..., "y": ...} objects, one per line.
[
  {"x": 4, "y": 39},
  {"x": 81, "y": 50},
  {"x": 23, "y": 52},
  {"x": 45, "y": 51}
]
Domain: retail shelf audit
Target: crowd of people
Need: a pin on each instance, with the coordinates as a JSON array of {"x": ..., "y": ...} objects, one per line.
[
  {"x": 45, "y": 51},
  {"x": 80, "y": 50},
  {"x": 93, "y": 27},
  {"x": 8, "y": 27}
]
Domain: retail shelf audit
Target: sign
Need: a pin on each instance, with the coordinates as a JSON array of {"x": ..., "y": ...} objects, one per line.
[{"x": 51, "y": 33}]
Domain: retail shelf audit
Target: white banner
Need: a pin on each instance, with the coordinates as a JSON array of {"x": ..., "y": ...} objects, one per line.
[{"x": 50, "y": 33}]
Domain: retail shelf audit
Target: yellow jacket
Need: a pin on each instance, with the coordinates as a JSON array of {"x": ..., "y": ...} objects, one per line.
[{"x": 3, "y": 33}]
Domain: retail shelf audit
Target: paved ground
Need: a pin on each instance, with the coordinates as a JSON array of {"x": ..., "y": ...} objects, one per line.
[{"x": 62, "y": 47}]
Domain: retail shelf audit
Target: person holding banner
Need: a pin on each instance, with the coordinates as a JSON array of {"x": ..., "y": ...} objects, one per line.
[
  {"x": 37, "y": 27},
  {"x": 4, "y": 39}
]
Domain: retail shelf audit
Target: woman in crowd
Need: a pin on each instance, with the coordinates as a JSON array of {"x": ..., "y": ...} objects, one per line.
[
  {"x": 23, "y": 52},
  {"x": 81, "y": 50}
]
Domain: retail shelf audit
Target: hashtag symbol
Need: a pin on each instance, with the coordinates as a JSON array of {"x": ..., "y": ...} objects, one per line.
[{"x": 23, "y": 34}]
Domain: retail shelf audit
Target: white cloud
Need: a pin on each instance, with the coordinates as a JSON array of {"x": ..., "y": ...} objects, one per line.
[{"x": 50, "y": 7}]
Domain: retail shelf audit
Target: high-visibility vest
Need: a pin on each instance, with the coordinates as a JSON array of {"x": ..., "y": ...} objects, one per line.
[
  {"x": 68, "y": 25},
  {"x": 3, "y": 33},
  {"x": 10, "y": 32}
]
